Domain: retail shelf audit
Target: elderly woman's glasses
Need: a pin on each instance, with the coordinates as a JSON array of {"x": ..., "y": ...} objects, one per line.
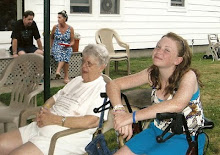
[{"x": 88, "y": 63}]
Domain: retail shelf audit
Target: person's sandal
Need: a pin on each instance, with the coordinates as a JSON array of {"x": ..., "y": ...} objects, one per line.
[
  {"x": 58, "y": 75},
  {"x": 66, "y": 81}
]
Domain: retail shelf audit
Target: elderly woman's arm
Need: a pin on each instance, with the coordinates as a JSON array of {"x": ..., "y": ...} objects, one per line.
[
  {"x": 47, "y": 118},
  {"x": 49, "y": 103}
]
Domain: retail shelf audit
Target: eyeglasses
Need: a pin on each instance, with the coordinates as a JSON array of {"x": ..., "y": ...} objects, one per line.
[{"x": 88, "y": 63}]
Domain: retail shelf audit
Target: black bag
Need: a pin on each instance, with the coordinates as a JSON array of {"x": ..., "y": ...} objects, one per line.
[{"x": 98, "y": 145}]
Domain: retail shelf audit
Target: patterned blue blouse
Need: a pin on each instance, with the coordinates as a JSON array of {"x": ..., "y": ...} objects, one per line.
[
  {"x": 59, "y": 52},
  {"x": 193, "y": 112}
]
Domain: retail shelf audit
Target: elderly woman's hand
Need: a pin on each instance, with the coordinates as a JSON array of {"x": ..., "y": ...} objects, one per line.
[
  {"x": 123, "y": 124},
  {"x": 45, "y": 117}
]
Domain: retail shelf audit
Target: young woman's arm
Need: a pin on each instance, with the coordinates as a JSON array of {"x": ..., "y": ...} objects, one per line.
[
  {"x": 114, "y": 88},
  {"x": 188, "y": 86}
]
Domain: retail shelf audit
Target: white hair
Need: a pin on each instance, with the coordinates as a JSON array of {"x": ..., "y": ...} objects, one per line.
[{"x": 99, "y": 51}]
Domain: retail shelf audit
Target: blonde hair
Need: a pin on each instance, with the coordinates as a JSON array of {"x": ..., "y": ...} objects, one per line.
[{"x": 184, "y": 51}]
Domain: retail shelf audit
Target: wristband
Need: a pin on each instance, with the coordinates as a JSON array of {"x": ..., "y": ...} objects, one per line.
[
  {"x": 118, "y": 107},
  {"x": 133, "y": 116},
  {"x": 46, "y": 106}
]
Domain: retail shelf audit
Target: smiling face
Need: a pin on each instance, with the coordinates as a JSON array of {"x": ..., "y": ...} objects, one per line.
[
  {"x": 165, "y": 53},
  {"x": 90, "y": 69}
]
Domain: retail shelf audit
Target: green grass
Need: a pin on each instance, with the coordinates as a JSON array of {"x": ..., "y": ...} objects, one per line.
[{"x": 210, "y": 76}]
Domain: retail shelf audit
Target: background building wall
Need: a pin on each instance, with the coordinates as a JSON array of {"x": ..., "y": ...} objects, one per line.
[{"x": 141, "y": 23}]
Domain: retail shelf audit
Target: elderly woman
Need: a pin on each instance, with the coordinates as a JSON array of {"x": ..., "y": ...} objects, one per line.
[{"x": 71, "y": 107}]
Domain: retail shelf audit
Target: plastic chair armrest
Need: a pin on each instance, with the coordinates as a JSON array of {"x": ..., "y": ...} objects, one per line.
[
  {"x": 216, "y": 45},
  {"x": 59, "y": 135},
  {"x": 25, "y": 114},
  {"x": 34, "y": 93}
]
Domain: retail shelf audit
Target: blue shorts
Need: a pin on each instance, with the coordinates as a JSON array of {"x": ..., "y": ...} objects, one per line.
[
  {"x": 29, "y": 49},
  {"x": 145, "y": 143}
]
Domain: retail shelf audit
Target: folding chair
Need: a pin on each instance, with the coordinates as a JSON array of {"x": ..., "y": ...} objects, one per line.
[{"x": 214, "y": 46}]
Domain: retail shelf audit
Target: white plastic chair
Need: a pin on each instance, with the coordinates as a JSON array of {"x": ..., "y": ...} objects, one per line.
[
  {"x": 105, "y": 36},
  {"x": 27, "y": 73},
  {"x": 25, "y": 114},
  {"x": 214, "y": 46}
]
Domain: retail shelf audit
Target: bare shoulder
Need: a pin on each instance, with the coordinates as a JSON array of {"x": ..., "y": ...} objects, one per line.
[
  {"x": 71, "y": 28},
  {"x": 189, "y": 74},
  {"x": 189, "y": 79},
  {"x": 54, "y": 27}
]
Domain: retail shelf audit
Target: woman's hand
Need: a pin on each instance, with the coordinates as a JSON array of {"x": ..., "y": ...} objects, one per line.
[
  {"x": 123, "y": 124},
  {"x": 45, "y": 117},
  {"x": 126, "y": 131}
]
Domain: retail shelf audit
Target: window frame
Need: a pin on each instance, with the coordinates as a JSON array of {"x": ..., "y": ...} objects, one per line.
[
  {"x": 174, "y": 3},
  {"x": 81, "y": 4}
]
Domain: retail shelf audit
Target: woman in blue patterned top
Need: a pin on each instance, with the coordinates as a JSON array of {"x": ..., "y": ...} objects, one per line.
[
  {"x": 176, "y": 89},
  {"x": 62, "y": 40}
]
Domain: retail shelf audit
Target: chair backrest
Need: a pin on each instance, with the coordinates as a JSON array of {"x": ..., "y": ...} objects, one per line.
[
  {"x": 212, "y": 38},
  {"x": 106, "y": 78},
  {"x": 105, "y": 36},
  {"x": 27, "y": 73}
]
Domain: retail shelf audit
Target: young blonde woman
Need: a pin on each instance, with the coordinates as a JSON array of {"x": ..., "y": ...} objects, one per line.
[
  {"x": 175, "y": 89},
  {"x": 62, "y": 40}
]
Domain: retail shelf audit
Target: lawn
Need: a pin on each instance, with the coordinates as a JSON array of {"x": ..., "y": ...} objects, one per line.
[{"x": 210, "y": 76}]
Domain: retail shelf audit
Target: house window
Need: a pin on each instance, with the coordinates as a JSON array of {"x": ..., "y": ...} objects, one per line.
[
  {"x": 109, "y": 6},
  {"x": 177, "y": 2},
  {"x": 81, "y": 6},
  {"x": 8, "y": 12}
]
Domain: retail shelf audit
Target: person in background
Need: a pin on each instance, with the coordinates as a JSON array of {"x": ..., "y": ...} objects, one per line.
[
  {"x": 175, "y": 89},
  {"x": 62, "y": 40},
  {"x": 22, "y": 36},
  {"x": 70, "y": 107}
]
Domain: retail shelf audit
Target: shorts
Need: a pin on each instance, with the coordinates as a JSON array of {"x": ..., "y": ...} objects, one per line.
[
  {"x": 29, "y": 49},
  {"x": 145, "y": 143},
  {"x": 72, "y": 144}
]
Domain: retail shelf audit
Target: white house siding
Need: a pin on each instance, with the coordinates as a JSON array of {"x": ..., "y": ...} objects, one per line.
[{"x": 141, "y": 23}]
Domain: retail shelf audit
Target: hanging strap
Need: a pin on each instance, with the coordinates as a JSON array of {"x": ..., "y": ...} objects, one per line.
[{"x": 102, "y": 114}]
